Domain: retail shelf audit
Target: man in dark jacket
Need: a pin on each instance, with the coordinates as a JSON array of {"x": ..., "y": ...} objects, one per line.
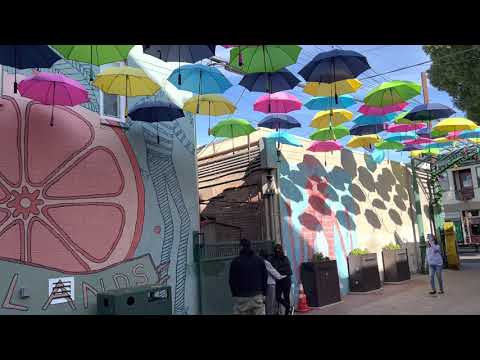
[
  {"x": 248, "y": 282},
  {"x": 282, "y": 287}
]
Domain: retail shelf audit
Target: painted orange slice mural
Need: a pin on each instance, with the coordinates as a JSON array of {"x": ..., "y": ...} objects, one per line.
[{"x": 71, "y": 195}]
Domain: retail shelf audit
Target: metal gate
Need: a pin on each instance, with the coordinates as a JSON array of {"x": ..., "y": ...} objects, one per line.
[{"x": 213, "y": 264}]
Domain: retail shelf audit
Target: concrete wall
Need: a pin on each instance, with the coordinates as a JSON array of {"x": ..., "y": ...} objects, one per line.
[{"x": 95, "y": 206}]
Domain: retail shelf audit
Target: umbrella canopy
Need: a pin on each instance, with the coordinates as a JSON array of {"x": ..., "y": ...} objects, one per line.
[
  {"x": 270, "y": 82},
  {"x": 438, "y": 145},
  {"x": 380, "y": 111},
  {"x": 400, "y": 119},
  {"x": 391, "y": 93},
  {"x": 389, "y": 145},
  {"x": 279, "y": 121},
  {"x": 328, "y": 102},
  {"x": 411, "y": 148},
  {"x": 373, "y": 120},
  {"x": 263, "y": 58},
  {"x": 454, "y": 135},
  {"x": 27, "y": 57},
  {"x": 334, "y": 65},
  {"x": 418, "y": 141},
  {"x": 210, "y": 104},
  {"x": 363, "y": 141},
  {"x": 94, "y": 54},
  {"x": 454, "y": 124},
  {"x": 428, "y": 112},
  {"x": 325, "y": 119},
  {"x": 232, "y": 128},
  {"x": 323, "y": 89},
  {"x": 200, "y": 79},
  {"x": 401, "y": 137},
  {"x": 325, "y": 146},
  {"x": 398, "y": 128},
  {"x": 428, "y": 133},
  {"x": 378, "y": 156},
  {"x": 474, "y": 140},
  {"x": 470, "y": 134},
  {"x": 366, "y": 129},
  {"x": 53, "y": 89},
  {"x": 442, "y": 140},
  {"x": 330, "y": 133},
  {"x": 282, "y": 137},
  {"x": 419, "y": 153},
  {"x": 280, "y": 102}
]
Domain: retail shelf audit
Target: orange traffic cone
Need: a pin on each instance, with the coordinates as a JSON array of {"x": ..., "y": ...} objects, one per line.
[{"x": 302, "y": 305}]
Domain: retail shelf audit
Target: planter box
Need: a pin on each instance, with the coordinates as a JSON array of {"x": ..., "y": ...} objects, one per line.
[
  {"x": 363, "y": 273},
  {"x": 395, "y": 266},
  {"x": 320, "y": 282}
]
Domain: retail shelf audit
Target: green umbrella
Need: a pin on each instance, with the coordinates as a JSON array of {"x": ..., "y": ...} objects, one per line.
[
  {"x": 389, "y": 145},
  {"x": 330, "y": 133},
  {"x": 264, "y": 58},
  {"x": 391, "y": 93},
  {"x": 232, "y": 128},
  {"x": 94, "y": 54}
]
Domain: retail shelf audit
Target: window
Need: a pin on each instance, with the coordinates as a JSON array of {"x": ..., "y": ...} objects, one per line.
[
  {"x": 443, "y": 180},
  {"x": 466, "y": 178},
  {"x": 475, "y": 228},
  {"x": 112, "y": 107}
]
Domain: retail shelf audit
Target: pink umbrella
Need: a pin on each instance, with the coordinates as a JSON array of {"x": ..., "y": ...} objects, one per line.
[
  {"x": 453, "y": 135},
  {"x": 405, "y": 127},
  {"x": 325, "y": 146},
  {"x": 280, "y": 102},
  {"x": 418, "y": 141},
  {"x": 380, "y": 111},
  {"x": 53, "y": 89}
]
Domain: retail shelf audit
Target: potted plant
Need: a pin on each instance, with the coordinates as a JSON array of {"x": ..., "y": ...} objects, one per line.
[
  {"x": 363, "y": 271},
  {"x": 395, "y": 264},
  {"x": 320, "y": 281}
]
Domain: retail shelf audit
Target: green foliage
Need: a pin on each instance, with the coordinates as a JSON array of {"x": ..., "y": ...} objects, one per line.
[
  {"x": 392, "y": 246},
  {"x": 359, "y": 252},
  {"x": 457, "y": 72},
  {"x": 318, "y": 257}
]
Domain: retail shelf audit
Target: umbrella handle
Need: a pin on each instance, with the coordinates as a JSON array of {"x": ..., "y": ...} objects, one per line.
[
  {"x": 91, "y": 61},
  {"x": 53, "y": 104},
  {"x": 15, "y": 85},
  {"x": 179, "y": 74},
  {"x": 240, "y": 58}
]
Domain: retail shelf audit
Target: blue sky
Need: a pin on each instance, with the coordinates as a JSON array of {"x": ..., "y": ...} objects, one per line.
[{"x": 382, "y": 58}]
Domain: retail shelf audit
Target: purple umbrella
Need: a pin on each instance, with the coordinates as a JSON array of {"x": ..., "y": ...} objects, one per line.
[{"x": 53, "y": 89}]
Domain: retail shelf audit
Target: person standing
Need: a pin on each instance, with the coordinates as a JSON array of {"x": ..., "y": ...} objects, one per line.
[
  {"x": 282, "y": 287},
  {"x": 248, "y": 281},
  {"x": 273, "y": 275},
  {"x": 435, "y": 263}
]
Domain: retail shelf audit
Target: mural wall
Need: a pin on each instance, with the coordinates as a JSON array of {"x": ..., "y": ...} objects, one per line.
[{"x": 86, "y": 207}]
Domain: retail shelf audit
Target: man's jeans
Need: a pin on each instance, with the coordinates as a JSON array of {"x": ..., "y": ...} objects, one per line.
[
  {"x": 249, "y": 305},
  {"x": 436, "y": 269}
]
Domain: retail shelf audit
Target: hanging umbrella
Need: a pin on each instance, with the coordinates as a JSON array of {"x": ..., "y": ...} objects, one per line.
[
  {"x": 378, "y": 156},
  {"x": 323, "y": 89},
  {"x": 380, "y": 111},
  {"x": 325, "y": 146},
  {"x": 325, "y": 119},
  {"x": 373, "y": 120},
  {"x": 389, "y": 145},
  {"x": 429, "y": 112},
  {"x": 470, "y": 134},
  {"x": 279, "y": 121},
  {"x": 443, "y": 140},
  {"x": 438, "y": 145},
  {"x": 428, "y": 133},
  {"x": 240, "y": 47},
  {"x": 94, "y": 54},
  {"x": 200, "y": 79},
  {"x": 53, "y": 89},
  {"x": 411, "y": 148},
  {"x": 474, "y": 140},
  {"x": 330, "y": 133},
  {"x": 271, "y": 82},
  {"x": 400, "y": 119},
  {"x": 263, "y": 58},
  {"x": 27, "y": 57},
  {"x": 366, "y": 129},
  {"x": 391, "y": 93},
  {"x": 328, "y": 102},
  {"x": 280, "y": 102},
  {"x": 232, "y": 128},
  {"x": 180, "y": 53},
  {"x": 125, "y": 81},
  {"x": 418, "y": 141},
  {"x": 210, "y": 104},
  {"x": 282, "y": 137},
  {"x": 363, "y": 141},
  {"x": 405, "y": 127},
  {"x": 418, "y": 153},
  {"x": 155, "y": 111},
  {"x": 401, "y": 137},
  {"x": 453, "y": 124},
  {"x": 454, "y": 135}
]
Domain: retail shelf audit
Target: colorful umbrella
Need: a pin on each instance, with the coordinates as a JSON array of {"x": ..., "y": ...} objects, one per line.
[
  {"x": 471, "y": 134},
  {"x": 411, "y": 148},
  {"x": 389, "y": 145},
  {"x": 418, "y": 141},
  {"x": 240, "y": 47},
  {"x": 428, "y": 112},
  {"x": 27, "y": 57},
  {"x": 418, "y": 153},
  {"x": 380, "y": 111},
  {"x": 378, "y": 156},
  {"x": 282, "y": 137},
  {"x": 270, "y": 82},
  {"x": 330, "y": 133},
  {"x": 328, "y": 102},
  {"x": 401, "y": 137},
  {"x": 391, "y": 93},
  {"x": 441, "y": 140},
  {"x": 325, "y": 119},
  {"x": 363, "y": 141},
  {"x": 400, "y": 119},
  {"x": 125, "y": 81},
  {"x": 280, "y": 102},
  {"x": 454, "y": 124},
  {"x": 474, "y": 140},
  {"x": 232, "y": 128},
  {"x": 325, "y": 146},
  {"x": 210, "y": 104},
  {"x": 264, "y": 58},
  {"x": 53, "y": 89},
  {"x": 373, "y": 120},
  {"x": 438, "y": 145},
  {"x": 279, "y": 121},
  {"x": 428, "y": 133},
  {"x": 454, "y": 135},
  {"x": 323, "y": 89},
  {"x": 94, "y": 54},
  {"x": 366, "y": 129},
  {"x": 405, "y": 127},
  {"x": 200, "y": 79}
]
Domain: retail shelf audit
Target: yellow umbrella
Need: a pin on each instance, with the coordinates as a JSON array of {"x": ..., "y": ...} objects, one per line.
[
  {"x": 418, "y": 153},
  {"x": 125, "y": 81},
  {"x": 326, "y": 118},
  {"x": 323, "y": 89},
  {"x": 442, "y": 140},
  {"x": 455, "y": 124},
  {"x": 475, "y": 141},
  {"x": 363, "y": 141}
]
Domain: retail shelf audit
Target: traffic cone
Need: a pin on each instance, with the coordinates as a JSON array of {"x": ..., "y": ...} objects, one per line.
[{"x": 302, "y": 305}]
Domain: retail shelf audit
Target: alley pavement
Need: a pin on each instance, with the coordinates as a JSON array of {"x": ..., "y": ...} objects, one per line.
[{"x": 462, "y": 295}]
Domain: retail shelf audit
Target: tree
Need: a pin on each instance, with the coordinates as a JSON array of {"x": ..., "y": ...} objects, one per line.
[{"x": 456, "y": 70}]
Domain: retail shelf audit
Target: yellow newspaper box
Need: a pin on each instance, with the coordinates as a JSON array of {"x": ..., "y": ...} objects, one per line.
[{"x": 453, "y": 261}]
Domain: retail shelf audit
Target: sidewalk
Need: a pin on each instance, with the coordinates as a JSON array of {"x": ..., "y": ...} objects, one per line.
[{"x": 462, "y": 296}]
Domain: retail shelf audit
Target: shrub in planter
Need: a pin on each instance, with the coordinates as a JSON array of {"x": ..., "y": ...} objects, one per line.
[
  {"x": 363, "y": 271},
  {"x": 320, "y": 281},
  {"x": 395, "y": 264}
]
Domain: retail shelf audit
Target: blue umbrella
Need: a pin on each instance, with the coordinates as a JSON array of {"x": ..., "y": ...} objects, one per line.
[
  {"x": 401, "y": 136},
  {"x": 470, "y": 134},
  {"x": 366, "y": 129},
  {"x": 200, "y": 79},
  {"x": 155, "y": 111},
  {"x": 273, "y": 82},
  {"x": 282, "y": 137},
  {"x": 373, "y": 120},
  {"x": 428, "y": 112},
  {"x": 427, "y": 133},
  {"x": 279, "y": 121},
  {"x": 27, "y": 57},
  {"x": 378, "y": 156},
  {"x": 328, "y": 102}
]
